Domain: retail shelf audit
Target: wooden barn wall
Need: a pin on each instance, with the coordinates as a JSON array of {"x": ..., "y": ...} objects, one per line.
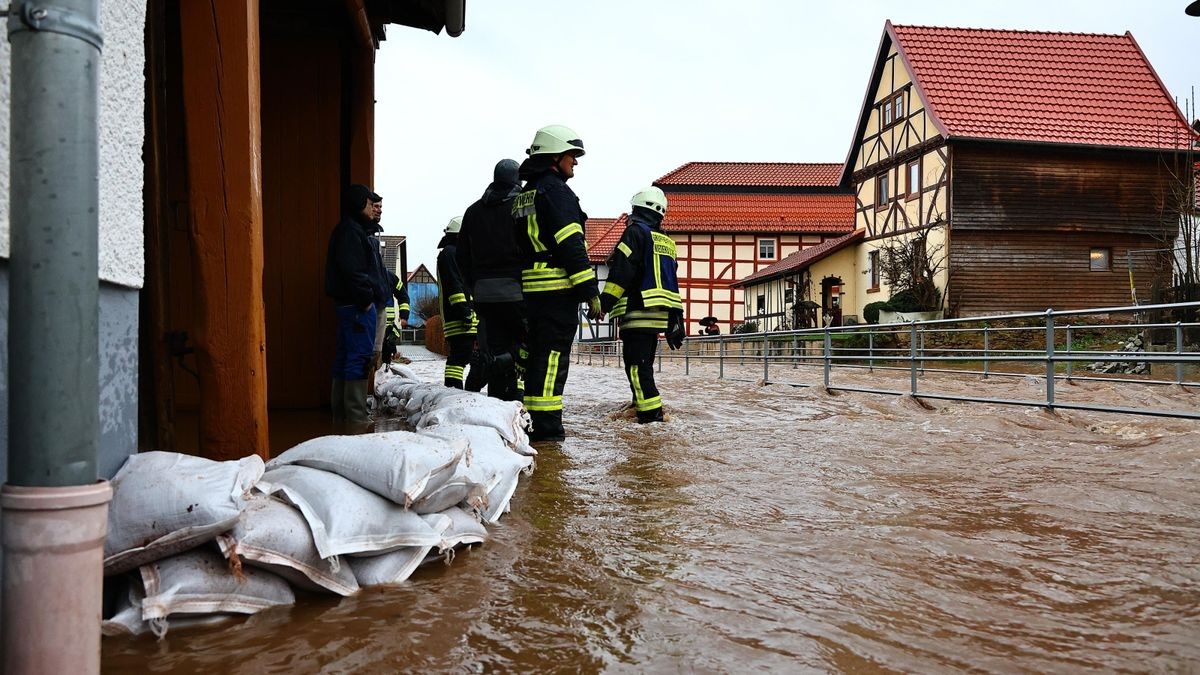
[
  {"x": 1026, "y": 188},
  {"x": 302, "y": 146},
  {"x": 1024, "y": 271}
]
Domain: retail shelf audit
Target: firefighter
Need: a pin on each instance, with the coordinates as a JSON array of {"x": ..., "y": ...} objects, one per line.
[
  {"x": 397, "y": 307},
  {"x": 642, "y": 293},
  {"x": 556, "y": 275},
  {"x": 490, "y": 262},
  {"x": 459, "y": 322}
]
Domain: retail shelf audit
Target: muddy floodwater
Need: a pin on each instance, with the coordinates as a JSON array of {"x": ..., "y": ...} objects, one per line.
[{"x": 791, "y": 530}]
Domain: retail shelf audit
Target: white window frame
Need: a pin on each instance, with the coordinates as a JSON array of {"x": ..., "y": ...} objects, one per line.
[{"x": 774, "y": 249}]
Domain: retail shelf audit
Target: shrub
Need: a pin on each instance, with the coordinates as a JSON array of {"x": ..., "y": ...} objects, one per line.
[
  {"x": 746, "y": 327},
  {"x": 872, "y": 309}
]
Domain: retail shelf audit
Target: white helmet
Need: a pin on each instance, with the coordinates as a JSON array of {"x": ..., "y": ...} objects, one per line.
[
  {"x": 651, "y": 198},
  {"x": 454, "y": 226},
  {"x": 555, "y": 140}
]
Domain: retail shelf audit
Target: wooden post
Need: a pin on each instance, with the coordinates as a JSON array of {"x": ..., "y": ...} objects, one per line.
[
  {"x": 222, "y": 103},
  {"x": 362, "y": 117}
]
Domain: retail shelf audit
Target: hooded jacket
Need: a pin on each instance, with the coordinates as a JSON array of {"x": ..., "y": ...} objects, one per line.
[
  {"x": 488, "y": 256},
  {"x": 551, "y": 239},
  {"x": 352, "y": 274}
]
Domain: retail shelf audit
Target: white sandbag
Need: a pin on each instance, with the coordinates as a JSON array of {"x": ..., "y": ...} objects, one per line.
[
  {"x": 276, "y": 537},
  {"x": 397, "y": 566},
  {"x": 507, "y": 417},
  {"x": 343, "y": 517},
  {"x": 201, "y": 582},
  {"x": 492, "y": 459},
  {"x": 399, "y": 465},
  {"x": 128, "y": 618},
  {"x": 464, "y": 528},
  {"x": 165, "y": 502}
]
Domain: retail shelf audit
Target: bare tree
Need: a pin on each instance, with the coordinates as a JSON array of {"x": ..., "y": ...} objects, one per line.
[{"x": 910, "y": 267}]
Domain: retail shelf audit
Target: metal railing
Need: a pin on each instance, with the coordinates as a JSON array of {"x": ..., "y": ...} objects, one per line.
[{"x": 1046, "y": 344}]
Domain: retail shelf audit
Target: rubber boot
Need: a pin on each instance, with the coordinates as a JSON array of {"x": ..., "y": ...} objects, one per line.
[
  {"x": 547, "y": 426},
  {"x": 356, "y": 404},
  {"x": 648, "y": 416}
]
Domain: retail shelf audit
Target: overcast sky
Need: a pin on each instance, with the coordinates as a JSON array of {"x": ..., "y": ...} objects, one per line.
[{"x": 652, "y": 85}]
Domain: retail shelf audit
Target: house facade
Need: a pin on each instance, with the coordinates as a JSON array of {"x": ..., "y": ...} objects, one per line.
[
  {"x": 422, "y": 287},
  {"x": 732, "y": 219},
  {"x": 1023, "y": 170},
  {"x": 806, "y": 289},
  {"x": 602, "y": 236}
]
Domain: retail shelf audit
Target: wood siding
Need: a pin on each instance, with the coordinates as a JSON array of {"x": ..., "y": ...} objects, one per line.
[
  {"x": 1009, "y": 187},
  {"x": 1023, "y": 271}
]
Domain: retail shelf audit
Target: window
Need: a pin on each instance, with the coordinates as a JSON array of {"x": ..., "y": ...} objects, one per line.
[
  {"x": 914, "y": 179},
  {"x": 789, "y": 296},
  {"x": 873, "y": 265},
  {"x": 887, "y": 113},
  {"x": 1101, "y": 259},
  {"x": 881, "y": 190},
  {"x": 898, "y": 104},
  {"x": 891, "y": 111},
  {"x": 761, "y": 305},
  {"x": 766, "y": 249}
]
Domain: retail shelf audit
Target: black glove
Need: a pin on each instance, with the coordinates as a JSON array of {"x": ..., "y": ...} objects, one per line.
[{"x": 675, "y": 330}]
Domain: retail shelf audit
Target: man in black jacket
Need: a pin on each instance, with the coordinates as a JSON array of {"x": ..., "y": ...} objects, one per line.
[
  {"x": 490, "y": 263},
  {"x": 556, "y": 275},
  {"x": 352, "y": 280}
]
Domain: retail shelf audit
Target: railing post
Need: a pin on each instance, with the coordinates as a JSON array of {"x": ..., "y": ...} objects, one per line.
[
  {"x": 591, "y": 350},
  {"x": 721, "y": 358},
  {"x": 912, "y": 358},
  {"x": 795, "y": 350},
  {"x": 828, "y": 354},
  {"x": 986, "y": 361},
  {"x": 766, "y": 353},
  {"x": 1070, "y": 348},
  {"x": 871, "y": 351},
  {"x": 1179, "y": 352},
  {"x": 922, "y": 334},
  {"x": 1050, "y": 358},
  {"x": 604, "y": 355}
]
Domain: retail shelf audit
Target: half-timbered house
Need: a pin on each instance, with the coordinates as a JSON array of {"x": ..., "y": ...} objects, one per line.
[
  {"x": 731, "y": 219},
  {"x": 1035, "y": 165},
  {"x": 602, "y": 237}
]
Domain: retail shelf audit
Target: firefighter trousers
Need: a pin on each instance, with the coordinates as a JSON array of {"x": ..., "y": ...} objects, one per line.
[
  {"x": 638, "y": 348},
  {"x": 460, "y": 347},
  {"x": 553, "y": 320},
  {"x": 504, "y": 332}
]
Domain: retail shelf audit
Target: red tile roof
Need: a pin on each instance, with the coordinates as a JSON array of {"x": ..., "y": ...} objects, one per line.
[
  {"x": 1072, "y": 88},
  {"x": 754, "y": 174},
  {"x": 711, "y": 212},
  {"x": 803, "y": 258},
  {"x": 602, "y": 237}
]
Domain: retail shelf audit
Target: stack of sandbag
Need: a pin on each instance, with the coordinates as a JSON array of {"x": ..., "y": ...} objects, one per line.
[{"x": 201, "y": 540}]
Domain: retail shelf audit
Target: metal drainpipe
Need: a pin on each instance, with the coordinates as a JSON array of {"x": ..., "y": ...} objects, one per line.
[{"x": 54, "y": 509}]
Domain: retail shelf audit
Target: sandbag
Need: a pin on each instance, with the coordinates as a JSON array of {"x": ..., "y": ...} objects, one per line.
[
  {"x": 399, "y": 465},
  {"x": 128, "y": 618},
  {"x": 397, "y": 566},
  {"x": 165, "y": 502},
  {"x": 490, "y": 458},
  {"x": 343, "y": 517},
  {"x": 464, "y": 528},
  {"x": 506, "y": 417},
  {"x": 201, "y": 582},
  {"x": 276, "y": 537}
]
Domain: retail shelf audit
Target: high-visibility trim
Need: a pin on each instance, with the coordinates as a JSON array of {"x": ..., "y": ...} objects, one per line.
[
  {"x": 536, "y": 273},
  {"x": 644, "y": 319},
  {"x": 535, "y": 234},
  {"x": 649, "y": 404},
  {"x": 619, "y": 308},
  {"x": 656, "y": 297},
  {"x": 623, "y": 248},
  {"x": 635, "y": 381},
  {"x": 583, "y": 277},
  {"x": 568, "y": 230},
  {"x": 551, "y": 374},
  {"x": 543, "y": 286},
  {"x": 456, "y": 298},
  {"x": 543, "y": 403},
  {"x": 403, "y": 307},
  {"x": 455, "y": 372},
  {"x": 614, "y": 290},
  {"x": 399, "y": 284},
  {"x": 461, "y": 327}
]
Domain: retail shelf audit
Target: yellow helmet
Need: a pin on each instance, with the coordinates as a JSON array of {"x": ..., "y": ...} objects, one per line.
[
  {"x": 454, "y": 226},
  {"x": 555, "y": 140},
  {"x": 651, "y": 198}
]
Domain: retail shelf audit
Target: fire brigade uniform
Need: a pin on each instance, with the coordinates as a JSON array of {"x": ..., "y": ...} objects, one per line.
[
  {"x": 642, "y": 293},
  {"x": 556, "y": 275},
  {"x": 397, "y": 307},
  {"x": 460, "y": 323}
]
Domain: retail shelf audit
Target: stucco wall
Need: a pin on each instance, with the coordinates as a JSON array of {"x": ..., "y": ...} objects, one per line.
[{"x": 122, "y": 93}]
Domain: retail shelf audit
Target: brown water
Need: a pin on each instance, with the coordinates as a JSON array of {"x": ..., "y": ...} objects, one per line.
[{"x": 784, "y": 529}]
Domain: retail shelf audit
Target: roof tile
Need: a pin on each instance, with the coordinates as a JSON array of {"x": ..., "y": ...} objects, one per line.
[
  {"x": 754, "y": 174},
  {"x": 602, "y": 237},
  {"x": 713, "y": 212}
]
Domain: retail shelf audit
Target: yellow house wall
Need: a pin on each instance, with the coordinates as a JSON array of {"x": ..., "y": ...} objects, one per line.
[{"x": 936, "y": 244}]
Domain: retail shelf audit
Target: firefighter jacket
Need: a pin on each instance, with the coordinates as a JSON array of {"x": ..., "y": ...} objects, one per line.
[
  {"x": 642, "y": 287},
  {"x": 455, "y": 300},
  {"x": 400, "y": 306},
  {"x": 554, "y": 249}
]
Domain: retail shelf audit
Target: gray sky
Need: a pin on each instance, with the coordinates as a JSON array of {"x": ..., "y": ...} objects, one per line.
[{"x": 652, "y": 85}]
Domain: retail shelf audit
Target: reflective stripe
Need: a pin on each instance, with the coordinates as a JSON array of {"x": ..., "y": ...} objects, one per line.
[
  {"x": 567, "y": 231},
  {"x": 619, "y": 308},
  {"x": 457, "y": 298},
  {"x": 541, "y": 286},
  {"x": 583, "y": 277},
  {"x": 625, "y": 249},
  {"x": 404, "y": 307},
  {"x": 613, "y": 289},
  {"x": 536, "y": 272},
  {"x": 639, "y": 397},
  {"x": 399, "y": 284},
  {"x": 650, "y": 404},
  {"x": 644, "y": 319},
  {"x": 461, "y": 327},
  {"x": 551, "y": 374},
  {"x": 455, "y": 372},
  {"x": 543, "y": 403}
]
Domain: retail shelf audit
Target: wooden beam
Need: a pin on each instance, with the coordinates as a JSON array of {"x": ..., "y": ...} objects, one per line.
[{"x": 221, "y": 98}]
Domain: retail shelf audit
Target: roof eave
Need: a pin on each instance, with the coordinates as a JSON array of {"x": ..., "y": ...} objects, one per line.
[{"x": 1081, "y": 146}]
